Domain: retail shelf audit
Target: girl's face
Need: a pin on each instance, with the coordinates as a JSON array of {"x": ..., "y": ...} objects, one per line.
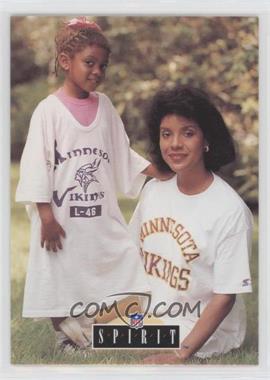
[
  {"x": 182, "y": 144},
  {"x": 85, "y": 71}
]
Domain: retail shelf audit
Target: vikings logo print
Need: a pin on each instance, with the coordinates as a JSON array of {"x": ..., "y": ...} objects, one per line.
[
  {"x": 58, "y": 157},
  {"x": 85, "y": 175}
]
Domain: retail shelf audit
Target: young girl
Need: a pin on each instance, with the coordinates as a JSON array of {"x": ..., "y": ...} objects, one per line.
[
  {"x": 194, "y": 231},
  {"x": 76, "y": 159}
]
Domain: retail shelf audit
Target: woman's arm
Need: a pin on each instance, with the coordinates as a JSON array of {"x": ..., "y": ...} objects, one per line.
[{"x": 214, "y": 313}]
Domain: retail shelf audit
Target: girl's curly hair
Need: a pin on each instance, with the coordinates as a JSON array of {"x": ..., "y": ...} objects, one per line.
[{"x": 71, "y": 40}]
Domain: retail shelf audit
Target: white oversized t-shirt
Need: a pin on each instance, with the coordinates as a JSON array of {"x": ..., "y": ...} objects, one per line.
[
  {"x": 193, "y": 246},
  {"x": 80, "y": 170}
]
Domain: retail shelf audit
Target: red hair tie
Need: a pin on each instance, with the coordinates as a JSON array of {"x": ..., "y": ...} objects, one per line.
[{"x": 82, "y": 22}]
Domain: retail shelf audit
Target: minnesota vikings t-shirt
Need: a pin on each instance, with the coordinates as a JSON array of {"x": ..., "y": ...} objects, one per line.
[
  {"x": 80, "y": 171},
  {"x": 193, "y": 246}
]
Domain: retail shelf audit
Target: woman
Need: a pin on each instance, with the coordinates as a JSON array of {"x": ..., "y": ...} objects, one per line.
[{"x": 194, "y": 230}]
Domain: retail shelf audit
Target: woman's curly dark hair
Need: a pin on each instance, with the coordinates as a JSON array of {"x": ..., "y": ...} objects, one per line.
[{"x": 193, "y": 104}]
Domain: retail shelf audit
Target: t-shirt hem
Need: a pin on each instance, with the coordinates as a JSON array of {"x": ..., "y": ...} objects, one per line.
[
  {"x": 34, "y": 199},
  {"x": 208, "y": 354},
  {"x": 46, "y": 314},
  {"x": 66, "y": 312},
  {"x": 233, "y": 291}
]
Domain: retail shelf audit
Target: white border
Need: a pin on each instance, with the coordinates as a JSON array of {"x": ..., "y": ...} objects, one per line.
[{"x": 259, "y": 8}]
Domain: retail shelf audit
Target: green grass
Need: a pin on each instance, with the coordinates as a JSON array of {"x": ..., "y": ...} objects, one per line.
[{"x": 33, "y": 342}]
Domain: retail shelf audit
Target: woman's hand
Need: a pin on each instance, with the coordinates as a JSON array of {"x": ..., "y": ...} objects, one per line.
[{"x": 51, "y": 231}]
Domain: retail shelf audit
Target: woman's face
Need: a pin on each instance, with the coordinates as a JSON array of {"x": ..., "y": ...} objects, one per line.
[{"x": 182, "y": 144}]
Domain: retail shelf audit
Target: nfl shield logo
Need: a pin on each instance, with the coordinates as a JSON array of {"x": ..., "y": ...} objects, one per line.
[{"x": 136, "y": 321}]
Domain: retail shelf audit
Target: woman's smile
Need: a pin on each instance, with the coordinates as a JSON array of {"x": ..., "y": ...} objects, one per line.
[
  {"x": 176, "y": 159},
  {"x": 177, "y": 156}
]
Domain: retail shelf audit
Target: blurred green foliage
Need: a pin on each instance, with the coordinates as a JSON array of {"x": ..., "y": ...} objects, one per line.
[{"x": 217, "y": 54}]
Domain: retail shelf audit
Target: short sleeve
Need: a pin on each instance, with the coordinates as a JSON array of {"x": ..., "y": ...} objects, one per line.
[
  {"x": 35, "y": 167},
  {"x": 135, "y": 224},
  {"x": 137, "y": 218},
  {"x": 231, "y": 267},
  {"x": 127, "y": 164}
]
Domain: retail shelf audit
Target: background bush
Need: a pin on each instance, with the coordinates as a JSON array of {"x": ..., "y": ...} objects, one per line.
[{"x": 217, "y": 54}]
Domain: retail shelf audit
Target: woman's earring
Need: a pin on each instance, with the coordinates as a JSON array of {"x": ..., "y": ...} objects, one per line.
[{"x": 206, "y": 148}]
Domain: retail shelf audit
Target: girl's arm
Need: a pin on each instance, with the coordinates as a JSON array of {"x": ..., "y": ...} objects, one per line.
[
  {"x": 51, "y": 230},
  {"x": 152, "y": 171},
  {"x": 214, "y": 313}
]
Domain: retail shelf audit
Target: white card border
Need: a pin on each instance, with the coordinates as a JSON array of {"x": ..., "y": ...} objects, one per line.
[{"x": 260, "y": 8}]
